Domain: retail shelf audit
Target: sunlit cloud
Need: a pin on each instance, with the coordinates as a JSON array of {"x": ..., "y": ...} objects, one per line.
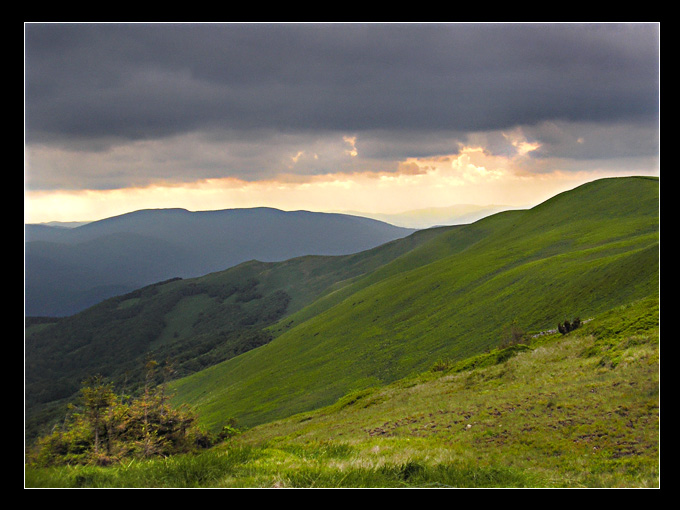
[
  {"x": 351, "y": 140},
  {"x": 297, "y": 156},
  {"x": 326, "y": 172},
  {"x": 470, "y": 176},
  {"x": 519, "y": 141},
  {"x": 337, "y": 118}
]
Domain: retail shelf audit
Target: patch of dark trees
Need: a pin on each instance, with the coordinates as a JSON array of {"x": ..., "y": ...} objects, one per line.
[{"x": 566, "y": 326}]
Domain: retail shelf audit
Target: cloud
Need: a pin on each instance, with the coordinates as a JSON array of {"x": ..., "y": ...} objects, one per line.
[
  {"x": 352, "y": 141},
  {"x": 115, "y": 105},
  {"x": 473, "y": 176},
  {"x": 140, "y": 81}
]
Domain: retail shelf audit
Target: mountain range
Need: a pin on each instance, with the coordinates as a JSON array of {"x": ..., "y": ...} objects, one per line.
[
  {"x": 262, "y": 341},
  {"x": 436, "y": 216},
  {"x": 578, "y": 254},
  {"x": 70, "y": 269}
]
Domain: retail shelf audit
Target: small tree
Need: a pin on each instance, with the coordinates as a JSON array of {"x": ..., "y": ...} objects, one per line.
[
  {"x": 97, "y": 399},
  {"x": 87, "y": 433},
  {"x": 105, "y": 429},
  {"x": 154, "y": 427}
]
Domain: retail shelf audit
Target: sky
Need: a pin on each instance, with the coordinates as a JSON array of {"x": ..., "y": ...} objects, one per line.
[{"x": 373, "y": 117}]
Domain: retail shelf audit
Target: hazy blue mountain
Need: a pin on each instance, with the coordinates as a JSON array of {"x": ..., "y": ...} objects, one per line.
[
  {"x": 64, "y": 224},
  {"x": 460, "y": 214},
  {"x": 69, "y": 269}
]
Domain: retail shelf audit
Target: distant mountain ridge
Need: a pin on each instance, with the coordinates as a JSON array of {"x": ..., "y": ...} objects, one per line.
[
  {"x": 70, "y": 269},
  {"x": 437, "y": 216}
]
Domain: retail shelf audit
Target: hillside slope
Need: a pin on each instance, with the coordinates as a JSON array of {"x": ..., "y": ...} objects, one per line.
[
  {"x": 189, "y": 323},
  {"x": 579, "y": 410},
  {"x": 70, "y": 269},
  {"x": 576, "y": 255}
]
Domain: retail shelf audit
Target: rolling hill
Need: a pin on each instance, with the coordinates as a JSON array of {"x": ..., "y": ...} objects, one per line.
[
  {"x": 580, "y": 253},
  {"x": 266, "y": 340},
  {"x": 194, "y": 322},
  {"x": 573, "y": 411},
  {"x": 70, "y": 269}
]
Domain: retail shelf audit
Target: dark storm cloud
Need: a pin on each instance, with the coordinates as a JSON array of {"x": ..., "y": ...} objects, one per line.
[{"x": 105, "y": 82}]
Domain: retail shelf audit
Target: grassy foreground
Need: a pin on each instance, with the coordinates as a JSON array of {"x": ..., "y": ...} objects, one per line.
[{"x": 579, "y": 410}]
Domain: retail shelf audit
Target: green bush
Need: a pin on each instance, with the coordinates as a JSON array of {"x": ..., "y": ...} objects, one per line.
[{"x": 106, "y": 428}]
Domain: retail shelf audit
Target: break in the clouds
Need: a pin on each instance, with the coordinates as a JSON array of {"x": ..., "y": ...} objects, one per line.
[{"x": 111, "y": 106}]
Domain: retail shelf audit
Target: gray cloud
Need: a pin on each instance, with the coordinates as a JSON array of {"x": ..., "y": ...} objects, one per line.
[
  {"x": 149, "y": 80},
  {"x": 91, "y": 86}
]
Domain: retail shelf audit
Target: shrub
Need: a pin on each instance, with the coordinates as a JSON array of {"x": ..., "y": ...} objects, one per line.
[
  {"x": 107, "y": 428},
  {"x": 566, "y": 326},
  {"x": 442, "y": 365}
]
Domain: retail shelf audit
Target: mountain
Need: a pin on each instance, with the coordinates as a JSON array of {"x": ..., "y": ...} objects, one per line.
[
  {"x": 70, "y": 269},
  {"x": 581, "y": 253},
  {"x": 62, "y": 224},
  {"x": 266, "y": 340},
  {"x": 437, "y": 216}
]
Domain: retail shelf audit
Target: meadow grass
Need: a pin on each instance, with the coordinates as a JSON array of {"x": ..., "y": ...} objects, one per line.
[{"x": 554, "y": 413}]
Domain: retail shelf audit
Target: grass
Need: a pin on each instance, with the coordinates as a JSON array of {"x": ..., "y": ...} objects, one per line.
[
  {"x": 554, "y": 413},
  {"x": 273, "y": 468},
  {"x": 551, "y": 415},
  {"x": 182, "y": 471}
]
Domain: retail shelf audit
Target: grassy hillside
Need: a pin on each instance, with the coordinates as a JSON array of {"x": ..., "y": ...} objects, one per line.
[
  {"x": 191, "y": 323},
  {"x": 566, "y": 411},
  {"x": 579, "y": 410},
  {"x": 579, "y": 254}
]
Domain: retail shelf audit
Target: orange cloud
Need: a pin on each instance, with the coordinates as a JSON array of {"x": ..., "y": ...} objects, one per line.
[{"x": 470, "y": 176}]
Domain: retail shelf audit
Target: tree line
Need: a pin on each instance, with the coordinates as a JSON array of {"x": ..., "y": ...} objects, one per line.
[{"x": 114, "y": 337}]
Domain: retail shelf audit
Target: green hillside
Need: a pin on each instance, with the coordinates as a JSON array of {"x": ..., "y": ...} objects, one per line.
[
  {"x": 574, "y": 410},
  {"x": 580, "y": 410},
  {"x": 577, "y": 255},
  {"x": 189, "y": 323}
]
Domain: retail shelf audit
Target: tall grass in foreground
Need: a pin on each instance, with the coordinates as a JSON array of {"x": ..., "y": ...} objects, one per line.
[
  {"x": 236, "y": 467},
  {"x": 181, "y": 471},
  {"x": 408, "y": 475}
]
